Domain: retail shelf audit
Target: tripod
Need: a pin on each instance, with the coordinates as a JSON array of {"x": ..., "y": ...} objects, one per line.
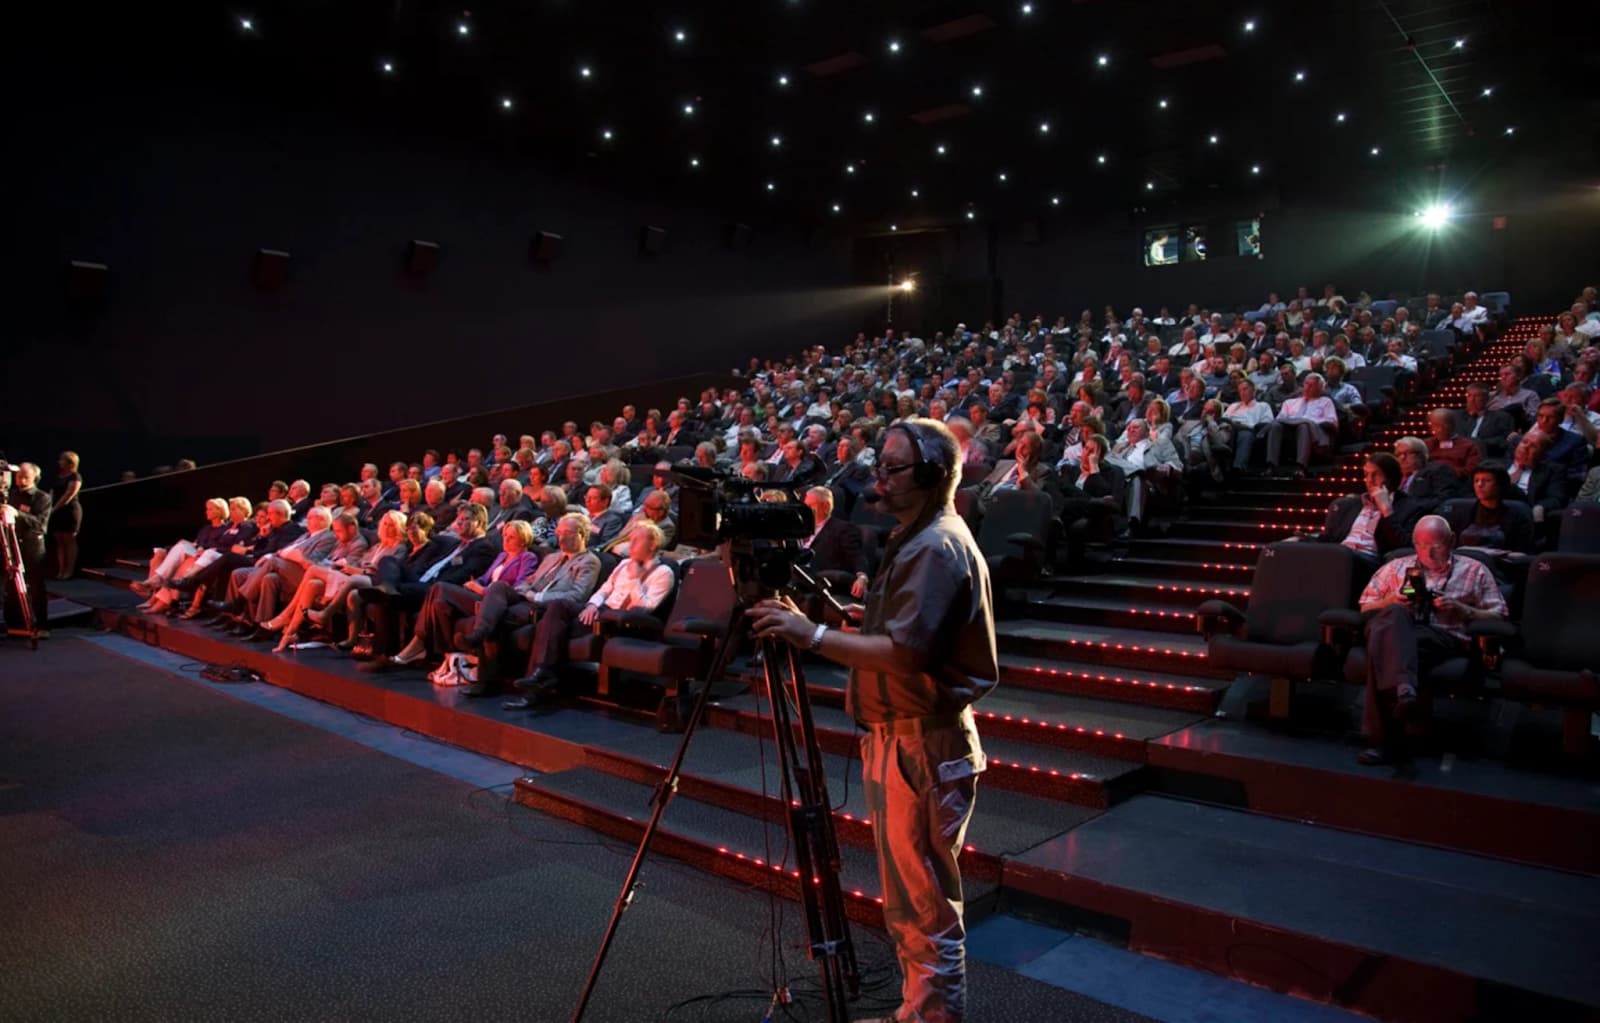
[
  {"x": 11, "y": 547},
  {"x": 804, "y": 787}
]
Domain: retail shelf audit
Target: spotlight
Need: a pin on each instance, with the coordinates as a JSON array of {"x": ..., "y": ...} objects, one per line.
[
  {"x": 463, "y": 29},
  {"x": 1102, "y": 60},
  {"x": 1101, "y": 159},
  {"x": 694, "y": 161},
  {"x": 1002, "y": 177},
  {"x": 776, "y": 140},
  {"x": 680, "y": 36},
  {"x": 1299, "y": 76},
  {"x": 849, "y": 168},
  {"x": 1511, "y": 129},
  {"x": 1055, "y": 200},
  {"x": 1250, "y": 26},
  {"x": 505, "y": 102},
  {"x": 940, "y": 149},
  {"x": 972, "y": 214},
  {"x": 868, "y": 117},
  {"x": 388, "y": 67},
  {"x": 908, "y": 285},
  {"x": 783, "y": 81},
  {"x": 977, "y": 91},
  {"x": 1161, "y": 103},
  {"x": 772, "y": 186},
  {"x": 1459, "y": 44},
  {"x": 245, "y": 24},
  {"x": 1212, "y": 140},
  {"x": 1488, "y": 91},
  {"x": 1044, "y": 127},
  {"x": 1027, "y": 9},
  {"x": 894, "y": 227},
  {"x": 1149, "y": 186},
  {"x": 1339, "y": 117},
  {"x": 915, "y": 194},
  {"x": 607, "y": 134},
  {"x": 1376, "y": 150},
  {"x": 688, "y": 110},
  {"x": 1436, "y": 215},
  {"x": 1255, "y": 168},
  {"x": 836, "y": 207},
  {"x": 585, "y": 72},
  {"x": 894, "y": 46}
]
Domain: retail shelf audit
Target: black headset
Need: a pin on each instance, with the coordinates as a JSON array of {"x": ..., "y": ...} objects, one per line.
[{"x": 925, "y": 472}]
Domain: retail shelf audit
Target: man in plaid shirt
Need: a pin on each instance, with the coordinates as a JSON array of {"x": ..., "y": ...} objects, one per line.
[{"x": 1402, "y": 644}]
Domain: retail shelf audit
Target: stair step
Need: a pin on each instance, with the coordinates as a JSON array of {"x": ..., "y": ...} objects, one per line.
[
  {"x": 1151, "y": 589},
  {"x": 1234, "y": 529},
  {"x": 1108, "y": 612},
  {"x": 1205, "y": 573},
  {"x": 1176, "y": 653},
  {"x": 1045, "y": 770},
  {"x": 1336, "y": 899},
  {"x": 1202, "y": 549},
  {"x": 1198, "y": 693}
]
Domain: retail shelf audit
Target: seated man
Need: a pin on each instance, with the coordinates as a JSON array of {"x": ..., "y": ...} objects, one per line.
[
  {"x": 1446, "y": 446},
  {"x": 1376, "y": 522},
  {"x": 1487, "y": 427},
  {"x": 1249, "y": 419},
  {"x": 835, "y": 544},
  {"x": 1024, "y": 472},
  {"x": 566, "y": 577},
  {"x": 402, "y": 582},
  {"x": 1428, "y": 484},
  {"x": 655, "y": 508},
  {"x": 605, "y": 521},
  {"x": 1535, "y": 479},
  {"x": 1513, "y": 398},
  {"x": 640, "y": 583},
  {"x": 1312, "y": 419},
  {"x": 1141, "y": 456},
  {"x": 1409, "y": 632}
]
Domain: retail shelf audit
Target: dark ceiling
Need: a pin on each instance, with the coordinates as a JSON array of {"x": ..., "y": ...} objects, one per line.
[{"x": 876, "y": 107}]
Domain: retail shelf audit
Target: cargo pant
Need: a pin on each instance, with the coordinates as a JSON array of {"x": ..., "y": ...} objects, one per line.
[{"x": 920, "y": 779}]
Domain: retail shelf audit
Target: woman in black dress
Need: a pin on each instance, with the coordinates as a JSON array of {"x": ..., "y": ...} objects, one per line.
[{"x": 66, "y": 514}]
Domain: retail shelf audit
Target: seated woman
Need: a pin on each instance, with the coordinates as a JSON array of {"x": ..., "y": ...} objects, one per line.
[
  {"x": 250, "y": 541},
  {"x": 349, "y": 556},
  {"x": 447, "y": 603},
  {"x": 166, "y": 561},
  {"x": 616, "y": 475},
  {"x": 552, "y": 505},
  {"x": 1492, "y": 522},
  {"x": 239, "y": 528}
]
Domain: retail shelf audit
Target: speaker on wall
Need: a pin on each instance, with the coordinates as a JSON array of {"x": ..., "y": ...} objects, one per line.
[
  {"x": 736, "y": 236},
  {"x": 86, "y": 283},
  {"x": 544, "y": 247},
  {"x": 652, "y": 241},
  {"x": 270, "y": 270},
  {"x": 421, "y": 257}
]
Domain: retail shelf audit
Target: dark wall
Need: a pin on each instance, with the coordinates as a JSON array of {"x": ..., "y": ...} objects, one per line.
[
  {"x": 188, "y": 359},
  {"x": 1542, "y": 252}
]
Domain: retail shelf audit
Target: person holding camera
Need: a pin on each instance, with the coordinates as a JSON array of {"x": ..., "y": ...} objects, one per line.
[
  {"x": 27, "y": 510},
  {"x": 924, "y": 654},
  {"x": 1418, "y": 608}
]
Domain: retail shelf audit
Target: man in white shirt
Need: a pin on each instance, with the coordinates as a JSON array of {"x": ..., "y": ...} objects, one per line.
[
  {"x": 1313, "y": 420},
  {"x": 1471, "y": 311},
  {"x": 1249, "y": 418},
  {"x": 640, "y": 583}
]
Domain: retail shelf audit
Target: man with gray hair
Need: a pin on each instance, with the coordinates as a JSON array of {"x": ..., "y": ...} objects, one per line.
[
  {"x": 1312, "y": 419},
  {"x": 276, "y": 576},
  {"x": 1419, "y": 608}
]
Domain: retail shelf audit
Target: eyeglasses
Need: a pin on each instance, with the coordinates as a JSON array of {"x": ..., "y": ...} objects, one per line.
[{"x": 883, "y": 472}]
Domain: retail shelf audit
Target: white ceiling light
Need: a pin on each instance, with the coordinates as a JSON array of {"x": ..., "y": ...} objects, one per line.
[
  {"x": 462, "y": 28},
  {"x": 776, "y": 140},
  {"x": 1149, "y": 186},
  {"x": 1255, "y": 168},
  {"x": 977, "y": 91},
  {"x": 783, "y": 81},
  {"x": 894, "y": 46},
  {"x": 972, "y": 215},
  {"x": 247, "y": 25},
  {"x": 915, "y": 194},
  {"x": 1002, "y": 177},
  {"x": 1299, "y": 76},
  {"x": 1376, "y": 150},
  {"x": 1212, "y": 140},
  {"x": 1339, "y": 117},
  {"x": 688, "y": 110},
  {"x": 607, "y": 134},
  {"x": 1027, "y": 9},
  {"x": 1488, "y": 91},
  {"x": 1249, "y": 26},
  {"x": 772, "y": 186},
  {"x": 1044, "y": 127},
  {"x": 1055, "y": 200},
  {"x": 836, "y": 207},
  {"x": 585, "y": 72},
  {"x": 505, "y": 102},
  {"x": 1102, "y": 60},
  {"x": 694, "y": 161},
  {"x": 388, "y": 67},
  {"x": 1100, "y": 159},
  {"x": 680, "y": 36},
  {"x": 849, "y": 168},
  {"x": 868, "y": 117},
  {"x": 940, "y": 149},
  {"x": 1162, "y": 103}
]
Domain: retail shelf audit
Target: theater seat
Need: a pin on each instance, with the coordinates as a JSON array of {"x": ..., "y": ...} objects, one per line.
[
  {"x": 1580, "y": 529},
  {"x": 682, "y": 646},
  {"x": 1279, "y": 634},
  {"x": 1557, "y": 660},
  {"x": 1015, "y": 533}
]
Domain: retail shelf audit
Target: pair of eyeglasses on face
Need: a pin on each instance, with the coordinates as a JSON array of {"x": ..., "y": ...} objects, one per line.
[{"x": 883, "y": 472}]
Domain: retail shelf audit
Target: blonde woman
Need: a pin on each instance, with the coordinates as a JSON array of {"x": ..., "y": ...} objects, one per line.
[{"x": 165, "y": 562}]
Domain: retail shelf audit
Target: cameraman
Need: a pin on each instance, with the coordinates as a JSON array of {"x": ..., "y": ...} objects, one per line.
[
  {"x": 925, "y": 653},
  {"x": 1409, "y": 631},
  {"x": 27, "y": 510}
]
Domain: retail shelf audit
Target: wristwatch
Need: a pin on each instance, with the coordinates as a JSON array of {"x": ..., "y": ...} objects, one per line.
[{"x": 816, "y": 637}]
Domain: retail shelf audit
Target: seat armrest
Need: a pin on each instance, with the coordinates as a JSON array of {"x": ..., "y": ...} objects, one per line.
[
  {"x": 1216, "y": 616},
  {"x": 1027, "y": 541},
  {"x": 703, "y": 627},
  {"x": 1492, "y": 628},
  {"x": 1341, "y": 626},
  {"x": 640, "y": 624}
]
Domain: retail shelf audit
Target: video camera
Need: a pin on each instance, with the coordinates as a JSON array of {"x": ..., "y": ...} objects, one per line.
[
  {"x": 717, "y": 507},
  {"x": 1415, "y": 590}
]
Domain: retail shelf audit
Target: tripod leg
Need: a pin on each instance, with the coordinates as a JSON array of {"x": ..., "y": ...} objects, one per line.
[{"x": 663, "y": 795}]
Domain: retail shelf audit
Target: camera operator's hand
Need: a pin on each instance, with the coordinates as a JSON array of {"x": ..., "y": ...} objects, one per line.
[{"x": 779, "y": 618}]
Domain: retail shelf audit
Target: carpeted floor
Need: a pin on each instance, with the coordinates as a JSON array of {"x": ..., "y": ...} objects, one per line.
[{"x": 167, "y": 852}]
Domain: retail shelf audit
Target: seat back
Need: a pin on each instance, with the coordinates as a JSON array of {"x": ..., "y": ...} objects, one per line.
[
  {"x": 1295, "y": 582},
  {"x": 1384, "y": 308},
  {"x": 1011, "y": 512},
  {"x": 1580, "y": 529},
  {"x": 1496, "y": 301},
  {"x": 679, "y": 453},
  {"x": 705, "y": 590},
  {"x": 1563, "y": 592}
]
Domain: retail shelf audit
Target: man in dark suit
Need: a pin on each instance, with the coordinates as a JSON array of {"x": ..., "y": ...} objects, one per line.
[
  {"x": 680, "y": 431},
  {"x": 301, "y": 499},
  {"x": 797, "y": 467},
  {"x": 512, "y": 507},
  {"x": 1488, "y": 427},
  {"x": 1376, "y": 522},
  {"x": 403, "y": 582},
  {"x": 835, "y": 545},
  {"x": 1428, "y": 484},
  {"x": 27, "y": 510},
  {"x": 1161, "y": 379}
]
